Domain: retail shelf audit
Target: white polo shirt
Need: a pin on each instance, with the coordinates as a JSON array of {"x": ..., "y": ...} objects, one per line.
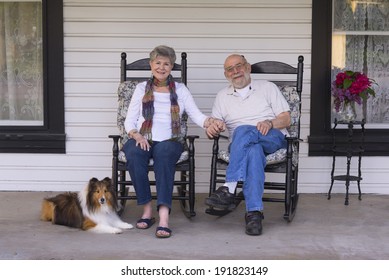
[{"x": 262, "y": 101}]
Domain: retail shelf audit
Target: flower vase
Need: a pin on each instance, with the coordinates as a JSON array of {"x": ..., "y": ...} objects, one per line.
[{"x": 347, "y": 112}]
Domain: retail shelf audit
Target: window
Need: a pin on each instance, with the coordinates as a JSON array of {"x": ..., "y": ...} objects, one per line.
[
  {"x": 350, "y": 34},
  {"x": 31, "y": 77}
]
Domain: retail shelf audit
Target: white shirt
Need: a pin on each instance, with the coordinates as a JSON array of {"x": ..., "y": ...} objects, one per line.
[
  {"x": 262, "y": 102},
  {"x": 243, "y": 91},
  {"x": 161, "y": 129}
]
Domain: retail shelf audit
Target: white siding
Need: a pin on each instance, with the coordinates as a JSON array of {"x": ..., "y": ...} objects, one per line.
[{"x": 96, "y": 32}]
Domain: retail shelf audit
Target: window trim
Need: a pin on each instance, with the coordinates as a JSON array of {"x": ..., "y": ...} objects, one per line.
[
  {"x": 320, "y": 138},
  {"x": 49, "y": 138}
]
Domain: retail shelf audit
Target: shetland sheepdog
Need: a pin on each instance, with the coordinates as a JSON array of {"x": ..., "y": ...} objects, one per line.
[{"x": 92, "y": 209}]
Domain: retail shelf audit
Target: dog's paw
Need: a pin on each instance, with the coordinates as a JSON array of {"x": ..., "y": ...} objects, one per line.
[
  {"x": 126, "y": 226},
  {"x": 116, "y": 230}
]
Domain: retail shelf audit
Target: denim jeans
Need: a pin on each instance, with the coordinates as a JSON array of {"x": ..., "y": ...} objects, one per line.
[
  {"x": 248, "y": 150},
  {"x": 165, "y": 155}
]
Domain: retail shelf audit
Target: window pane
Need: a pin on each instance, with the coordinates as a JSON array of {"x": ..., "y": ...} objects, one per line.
[
  {"x": 360, "y": 42},
  {"x": 21, "y": 79}
]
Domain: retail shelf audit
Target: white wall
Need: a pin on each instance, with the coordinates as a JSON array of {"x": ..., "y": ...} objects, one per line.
[{"x": 96, "y": 32}]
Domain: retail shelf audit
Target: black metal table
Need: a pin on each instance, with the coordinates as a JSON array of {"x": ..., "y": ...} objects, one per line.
[{"x": 348, "y": 142}]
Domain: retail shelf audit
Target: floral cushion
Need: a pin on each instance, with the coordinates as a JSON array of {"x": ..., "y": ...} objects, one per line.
[
  {"x": 125, "y": 92},
  {"x": 293, "y": 98},
  {"x": 274, "y": 158},
  {"x": 279, "y": 156}
]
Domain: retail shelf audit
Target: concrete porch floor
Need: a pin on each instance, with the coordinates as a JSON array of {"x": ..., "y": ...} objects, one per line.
[{"x": 321, "y": 230}]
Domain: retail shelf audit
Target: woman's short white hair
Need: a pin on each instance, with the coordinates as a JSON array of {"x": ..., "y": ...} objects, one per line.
[{"x": 164, "y": 51}]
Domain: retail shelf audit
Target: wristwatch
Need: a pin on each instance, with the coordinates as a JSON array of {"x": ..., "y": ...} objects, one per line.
[{"x": 271, "y": 123}]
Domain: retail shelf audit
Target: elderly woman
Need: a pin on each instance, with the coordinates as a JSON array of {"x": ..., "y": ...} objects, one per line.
[{"x": 153, "y": 126}]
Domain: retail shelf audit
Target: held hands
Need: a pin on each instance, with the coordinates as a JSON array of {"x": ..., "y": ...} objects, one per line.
[{"x": 214, "y": 127}]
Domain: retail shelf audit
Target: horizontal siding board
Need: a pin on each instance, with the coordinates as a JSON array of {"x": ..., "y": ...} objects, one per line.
[
  {"x": 185, "y": 4},
  {"x": 85, "y": 86},
  {"x": 91, "y": 130},
  {"x": 54, "y": 162},
  {"x": 202, "y": 58},
  {"x": 80, "y": 102},
  {"x": 187, "y": 29},
  {"x": 94, "y": 115},
  {"x": 91, "y": 72},
  {"x": 188, "y": 14},
  {"x": 182, "y": 43}
]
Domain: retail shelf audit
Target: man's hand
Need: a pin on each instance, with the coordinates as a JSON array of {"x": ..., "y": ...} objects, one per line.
[
  {"x": 264, "y": 126},
  {"x": 280, "y": 122}
]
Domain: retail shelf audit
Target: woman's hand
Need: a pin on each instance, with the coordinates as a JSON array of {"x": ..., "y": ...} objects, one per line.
[{"x": 141, "y": 141}]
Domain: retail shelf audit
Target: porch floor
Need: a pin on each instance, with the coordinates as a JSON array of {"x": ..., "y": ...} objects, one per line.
[{"x": 321, "y": 230}]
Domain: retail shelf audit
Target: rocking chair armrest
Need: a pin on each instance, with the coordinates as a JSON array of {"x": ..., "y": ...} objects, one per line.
[
  {"x": 292, "y": 147},
  {"x": 293, "y": 139},
  {"x": 115, "y": 147},
  {"x": 115, "y": 138},
  {"x": 220, "y": 136},
  {"x": 215, "y": 147},
  {"x": 191, "y": 139}
]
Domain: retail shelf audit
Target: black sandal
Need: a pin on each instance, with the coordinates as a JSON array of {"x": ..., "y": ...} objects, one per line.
[
  {"x": 165, "y": 229},
  {"x": 148, "y": 222}
]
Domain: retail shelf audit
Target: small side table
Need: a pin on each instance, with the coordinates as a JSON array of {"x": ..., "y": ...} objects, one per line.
[{"x": 348, "y": 145}]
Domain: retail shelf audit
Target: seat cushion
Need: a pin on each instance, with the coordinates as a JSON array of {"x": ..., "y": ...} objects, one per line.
[
  {"x": 274, "y": 158},
  {"x": 184, "y": 156}
]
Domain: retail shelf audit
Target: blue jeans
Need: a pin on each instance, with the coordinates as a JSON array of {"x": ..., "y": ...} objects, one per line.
[
  {"x": 248, "y": 150},
  {"x": 165, "y": 155}
]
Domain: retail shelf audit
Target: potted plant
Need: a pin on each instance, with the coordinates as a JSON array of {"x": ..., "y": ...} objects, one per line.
[{"x": 348, "y": 88}]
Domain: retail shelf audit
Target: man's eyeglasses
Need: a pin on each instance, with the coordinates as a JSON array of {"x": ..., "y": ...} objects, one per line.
[{"x": 236, "y": 67}]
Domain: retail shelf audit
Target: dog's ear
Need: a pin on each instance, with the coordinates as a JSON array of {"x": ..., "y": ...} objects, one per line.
[
  {"x": 107, "y": 180},
  {"x": 93, "y": 180}
]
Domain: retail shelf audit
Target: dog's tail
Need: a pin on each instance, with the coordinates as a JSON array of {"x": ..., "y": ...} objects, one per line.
[
  {"x": 63, "y": 209},
  {"x": 47, "y": 211}
]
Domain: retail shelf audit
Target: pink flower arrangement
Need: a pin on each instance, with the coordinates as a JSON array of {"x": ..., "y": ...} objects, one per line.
[{"x": 351, "y": 86}]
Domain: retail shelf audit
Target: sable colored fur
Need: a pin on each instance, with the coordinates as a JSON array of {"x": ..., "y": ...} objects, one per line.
[{"x": 94, "y": 208}]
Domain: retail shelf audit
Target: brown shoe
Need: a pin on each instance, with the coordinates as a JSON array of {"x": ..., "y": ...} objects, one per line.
[{"x": 254, "y": 222}]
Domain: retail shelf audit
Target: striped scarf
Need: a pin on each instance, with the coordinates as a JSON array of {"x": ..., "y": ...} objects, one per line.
[{"x": 148, "y": 107}]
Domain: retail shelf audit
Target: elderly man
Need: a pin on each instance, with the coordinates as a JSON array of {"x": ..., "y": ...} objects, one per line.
[{"x": 256, "y": 116}]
